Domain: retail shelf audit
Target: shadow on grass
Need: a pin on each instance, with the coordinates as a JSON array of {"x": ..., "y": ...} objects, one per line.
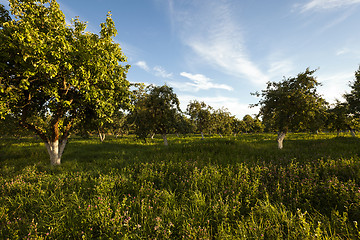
[{"x": 115, "y": 154}]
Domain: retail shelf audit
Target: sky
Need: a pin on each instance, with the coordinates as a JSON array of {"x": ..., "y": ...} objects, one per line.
[{"x": 220, "y": 51}]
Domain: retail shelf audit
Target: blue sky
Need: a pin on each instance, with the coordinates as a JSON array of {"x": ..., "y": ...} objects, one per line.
[{"x": 218, "y": 51}]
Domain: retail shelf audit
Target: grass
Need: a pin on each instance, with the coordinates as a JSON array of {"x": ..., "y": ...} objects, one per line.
[{"x": 221, "y": 188}]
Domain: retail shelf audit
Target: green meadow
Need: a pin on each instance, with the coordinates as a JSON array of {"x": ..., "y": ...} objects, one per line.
[{"x": 239, "y": 187}]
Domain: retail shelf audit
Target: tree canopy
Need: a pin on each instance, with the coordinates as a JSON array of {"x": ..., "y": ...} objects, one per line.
[
  {"x": 353, "y": 98},
  {"x": 201, "y": 115},
  {"x": 53, "y": 75},
  {"x": 292, "y": 104},
  {"x": 156, "y": 111}
]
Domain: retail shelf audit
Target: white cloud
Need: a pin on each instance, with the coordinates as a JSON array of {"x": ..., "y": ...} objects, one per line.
[
  {"x": 211, "y": 32},
  {"x": 161, "y": 72},
  {"x": 232, "y": 104},
  {"x": 200, "y": 82},
  {"x": 327, "y": 4},
  {"x": 335, "y": 86},
  {"x": 157, "y": 70},
  {"x": 143, "y": 65},
  {"x": 280, "y": 68},
  {"x": 342, "y": 51},
  {"x": 230, "y": 60}
]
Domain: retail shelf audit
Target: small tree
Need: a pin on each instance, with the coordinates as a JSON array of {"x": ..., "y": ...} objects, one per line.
[
  {"x": 291, "y": 104},
  {"x": 340, "y": 119},
  {"x": 223, "y": 121},
  {"x": 52, "y": 74},
  {"x": 201, "y": 115},
  {"x": 353, "y": 98},
  {"x": 238, "y": 126},
  {"x": 156, "y": 111},
  {"x": 184, "y": 124}
]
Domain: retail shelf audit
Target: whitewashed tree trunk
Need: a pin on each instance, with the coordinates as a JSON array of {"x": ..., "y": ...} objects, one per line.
[
  {"x": 55, "y": 151},
  {"x": 152, "y": 135},
  {"x": 220, "y": 135},
  {"x": 165, "y": 140},
  {"x": 280, "y": 139},
  {"x": 202, "y": 136},
  {"x": 101, "y": 136}
]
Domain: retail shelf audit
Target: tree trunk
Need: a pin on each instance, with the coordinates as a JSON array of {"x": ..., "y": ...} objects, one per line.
[
  {"x": 220, "y": 135},
  {"x": 55, "y": 150},
  {"x": 280, "y": 139},
  {"x": 202, "y": 136},
  {"x": 352, "y": 132},
  {"x": 152, "y": 135},
  {"x": 165, "y": 140},
  {"x": 101, "y": 136}
]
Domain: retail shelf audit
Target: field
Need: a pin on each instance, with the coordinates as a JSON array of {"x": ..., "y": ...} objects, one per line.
[{"x": 221, "y": 188}]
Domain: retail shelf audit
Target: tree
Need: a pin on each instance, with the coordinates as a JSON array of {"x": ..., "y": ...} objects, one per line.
[
  {"x": 4, "y": 15},
  {"x": 248, "y": 123},
  {"x": 53, "y": 75},
  {"x": 156, "y": 111},
  {"x": 9, "y": 127},
  {"x": 353, "y": 98},
  {"x": 184, "y": 124},
  {"x": 238, "y": 126},
  {"x": 200, "y": 114},
  {"x": 291, "y": 104},
  {"x": 223, "y": 121},
  {"x": 339, "y": 118}
]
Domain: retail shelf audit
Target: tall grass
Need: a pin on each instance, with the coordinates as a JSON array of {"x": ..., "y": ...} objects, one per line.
[{"x": 219, "y": 188}]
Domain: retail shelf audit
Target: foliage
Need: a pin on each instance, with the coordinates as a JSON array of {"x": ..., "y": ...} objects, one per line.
[
  {"x": 53, "y": 76},
  {"x": 219, "y": 188},
  {"x": 201, "y": 115},
  {"x": 156, "y": 111},
  {"x": 10, "y": 127},
  {"x": 4, "y": 15},
  {"x": 292, "y": 104},
  {"x": 353, "y": 98},
  {"x": 251, "y": 125},
  {"x": 339, "y": 118},
  {"x": 223, "y": 121}
]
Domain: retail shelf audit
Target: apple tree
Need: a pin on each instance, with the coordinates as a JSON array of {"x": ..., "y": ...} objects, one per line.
[
  {"x": 201, "y": 115},
  {"x": 292, "y": 104},
  {"x": 353, "y": 98},
  {"x": 156, "y": 111},
  {"x": 52, "y": 74}
]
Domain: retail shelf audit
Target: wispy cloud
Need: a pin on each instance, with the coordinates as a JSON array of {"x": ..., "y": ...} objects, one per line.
[
  {"x": 215, "y": 37},
  {"x": 333, "y": 86},
  {"x": 199, "y": 82},
  {"x": 342, "y": 51},
  {"x": 279, "y": 68},
  {"x": 161, "y": 72},
  {"x": 143, "y": 65},
  {"x": 157, "y": 70},
  {"x": 327, "y": 4}
]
